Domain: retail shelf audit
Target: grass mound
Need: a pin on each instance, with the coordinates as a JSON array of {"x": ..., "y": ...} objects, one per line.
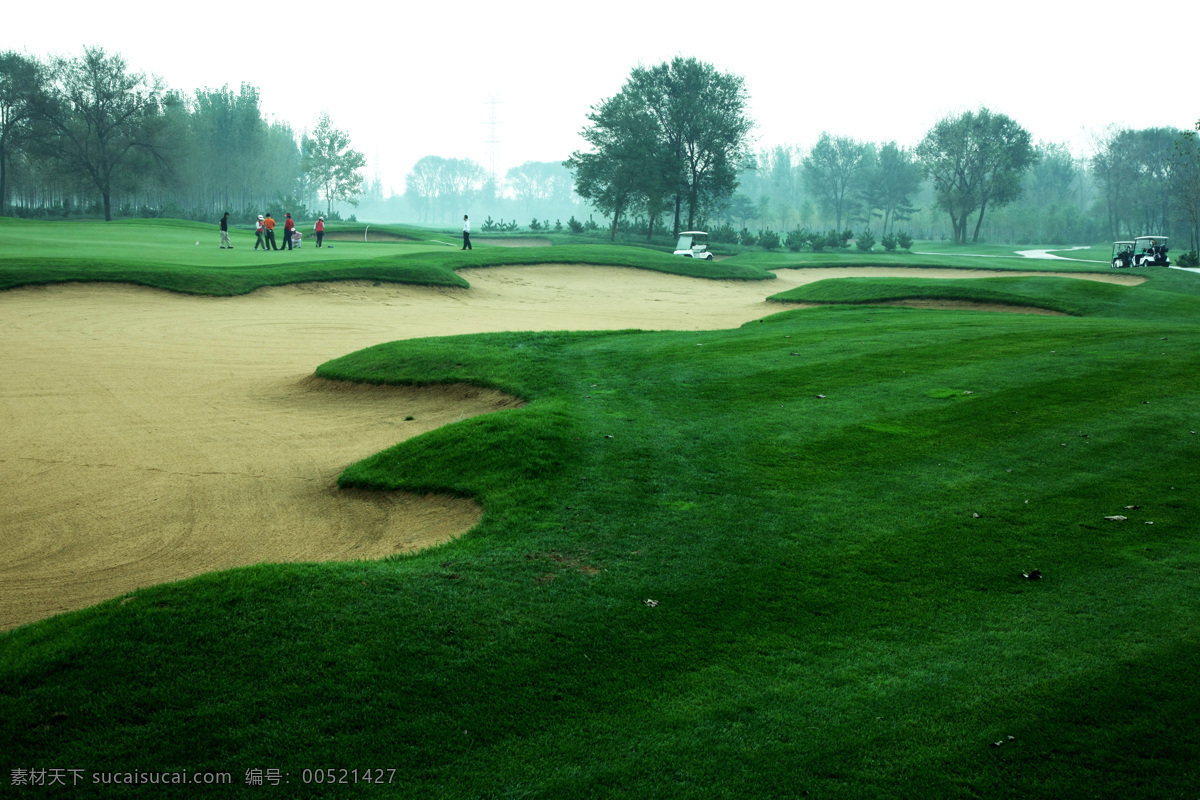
[{"x": 1064, "y": 295}]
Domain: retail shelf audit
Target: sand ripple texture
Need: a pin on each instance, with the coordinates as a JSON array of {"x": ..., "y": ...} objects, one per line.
[{"x": 147, "y": 437}]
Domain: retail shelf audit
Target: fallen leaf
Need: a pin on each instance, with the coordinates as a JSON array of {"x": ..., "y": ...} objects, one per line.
[
  {"x": 976, "y": 516},
  {"x": 652, "y": 603},
  {"x": 1032, "y": 575},
  {"x": 1117, "y": 518},
  {"x": 1132, "y": 507},
  {"x": 821, "y": 396}
]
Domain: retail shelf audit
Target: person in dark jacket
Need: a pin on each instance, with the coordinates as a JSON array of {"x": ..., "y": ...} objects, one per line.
[{"x": 225, "y": 232}]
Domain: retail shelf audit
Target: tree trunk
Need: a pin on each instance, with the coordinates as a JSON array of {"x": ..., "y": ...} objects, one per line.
[
  {"x": 107, "y": 206},
  {"x": 612, "y": 237},
  {"x": 979, "y": 222},
  {"x": 650, "y": 229},
  {"x": 678, "y": 200},
  {"x": 3, "y": 183}
]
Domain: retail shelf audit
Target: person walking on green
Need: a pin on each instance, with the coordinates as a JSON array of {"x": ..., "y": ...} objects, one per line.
[
  {"x": 466, "y": 234},
  {"x": 225, "y": 232}
]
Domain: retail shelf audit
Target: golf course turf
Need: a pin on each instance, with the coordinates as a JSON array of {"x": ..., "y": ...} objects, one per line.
[{"x": 786, "y": 559}]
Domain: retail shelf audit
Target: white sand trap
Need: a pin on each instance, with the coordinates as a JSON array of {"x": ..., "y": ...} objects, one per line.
[{"x": 147, "y": 437}]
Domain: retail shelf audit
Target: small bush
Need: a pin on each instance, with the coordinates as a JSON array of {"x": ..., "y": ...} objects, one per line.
[
  {"x": 534, "y": 225},
  {"x": 769, "y": 240},
  {"x": 746, "y": 237},
  {"x": 889, "y": 242},
  {"x": 904, "y": 240},
  {"x": 1190, "y": 259},
  {"x": 575, "y": 225},
  {"x": 865, "y": 242},
  {"x": 797, "y": 239},
  {"x": 726, "y": 234},
  {"x": 489, "y": 224},
  {"x": 591, "y": 225}
]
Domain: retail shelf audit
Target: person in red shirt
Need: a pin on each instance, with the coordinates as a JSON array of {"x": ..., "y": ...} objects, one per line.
[
  {"x": 288, "y": 226},
  {"x": 320, "y": 229}
]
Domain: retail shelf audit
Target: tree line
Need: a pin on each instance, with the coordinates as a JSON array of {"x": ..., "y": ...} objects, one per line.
[
  {"x": 671, "y": 150},
  {"x": 88, "y": 132},
  {"x": 676, "y": 136}
]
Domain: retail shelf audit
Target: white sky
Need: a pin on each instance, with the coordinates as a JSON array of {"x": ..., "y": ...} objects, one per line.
[{"x": 407, "y": 80}]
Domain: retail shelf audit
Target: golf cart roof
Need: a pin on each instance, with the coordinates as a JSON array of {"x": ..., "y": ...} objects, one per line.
[
  {"x": 1164, "y": 238},
  {"x": 693, "y": 233}
]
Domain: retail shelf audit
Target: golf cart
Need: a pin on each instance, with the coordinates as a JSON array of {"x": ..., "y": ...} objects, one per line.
[
  {"x": 693, "y": 244},
  {"x": 1144, "y": 251}
]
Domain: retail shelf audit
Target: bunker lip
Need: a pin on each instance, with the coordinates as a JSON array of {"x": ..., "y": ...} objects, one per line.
[
  {"x": 941, "y": 305},
  {"x": 150, "y": 436}
]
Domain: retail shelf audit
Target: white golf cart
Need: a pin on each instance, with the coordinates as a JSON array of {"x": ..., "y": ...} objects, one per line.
[
  {"x": 693, "y": 244},
  {"x": 1144, "y": 251}
]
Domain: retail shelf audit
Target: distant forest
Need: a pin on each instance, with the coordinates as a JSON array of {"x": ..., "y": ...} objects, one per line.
[{"x": 194, "y": 156}]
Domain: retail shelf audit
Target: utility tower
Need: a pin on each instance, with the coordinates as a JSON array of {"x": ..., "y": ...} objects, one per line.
[{"x": 492, "y": 139}]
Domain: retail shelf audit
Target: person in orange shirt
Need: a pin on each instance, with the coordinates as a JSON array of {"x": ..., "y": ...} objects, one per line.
[
  {"x": 269, "y": 224},
  {"x": 320, "y": 230}
]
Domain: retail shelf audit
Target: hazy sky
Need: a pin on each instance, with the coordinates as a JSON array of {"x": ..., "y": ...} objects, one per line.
[{"x": 408, "y": 80}]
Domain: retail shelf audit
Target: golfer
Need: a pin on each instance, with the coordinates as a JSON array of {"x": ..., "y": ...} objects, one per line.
[
  {"x": 225, "y": 232},
  {"x": 269, "y": 224},
  {"x": 319, "y": 228},
  {"x": 466, "y": 233}
]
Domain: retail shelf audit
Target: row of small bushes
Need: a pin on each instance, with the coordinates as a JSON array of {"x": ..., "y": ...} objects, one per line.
[{"x": 816, "y": 241}]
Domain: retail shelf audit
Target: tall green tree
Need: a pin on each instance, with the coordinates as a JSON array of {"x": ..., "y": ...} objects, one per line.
[
  {"x": 331, "y": 164},
  {"x": 1186, "y": 177},
  {"x": 890, "y": 183},
  {"x": 834, "y": 169},
  {"x": 103, "y": 122},
  {"x": 21, "y": 80},
  {"x": 627, "y": 163},
  {"x": 975, "y": 161},
  {"x": 702, "y": 122}
]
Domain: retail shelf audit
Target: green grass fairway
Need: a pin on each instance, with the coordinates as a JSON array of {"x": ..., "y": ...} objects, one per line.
[
  {"x": 781, "y": 561},
  {"x": 164, "y": 254}
]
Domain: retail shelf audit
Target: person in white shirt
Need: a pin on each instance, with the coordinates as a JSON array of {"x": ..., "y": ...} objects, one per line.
[{"x": 466, "y": 233}]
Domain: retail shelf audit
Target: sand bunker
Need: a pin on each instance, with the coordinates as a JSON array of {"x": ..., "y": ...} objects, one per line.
[{"x": 148, "y": 436}]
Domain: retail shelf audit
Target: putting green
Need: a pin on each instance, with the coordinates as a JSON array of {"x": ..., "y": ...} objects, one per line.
[{"x": 149, "y": 436}]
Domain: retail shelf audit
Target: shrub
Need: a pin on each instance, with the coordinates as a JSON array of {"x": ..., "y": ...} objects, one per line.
[
  {"x": 797, "y": 239},
  {"x": 591, "y": 225},
  {"x": 557, "y": 225},
  {"x": 726, "y": 234},
  {"x": 904, "y": 240},
  {"x": 1190, "y": 259},
  {"x": 575, "y": 225},
  {"x": 865, "y": 242},
  {"x": 889, "y": 242},
  {"x": 768, "y": 239},
  {"x": 534, "y": 225},
  {"x": 746, "y": 237},
  {"x": 489, "y": 224}
]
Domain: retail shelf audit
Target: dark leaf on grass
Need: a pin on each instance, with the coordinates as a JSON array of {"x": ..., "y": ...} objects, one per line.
[
  {"x": 1133, "y": 507},
  {"x": 1032, "y": 575}
]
